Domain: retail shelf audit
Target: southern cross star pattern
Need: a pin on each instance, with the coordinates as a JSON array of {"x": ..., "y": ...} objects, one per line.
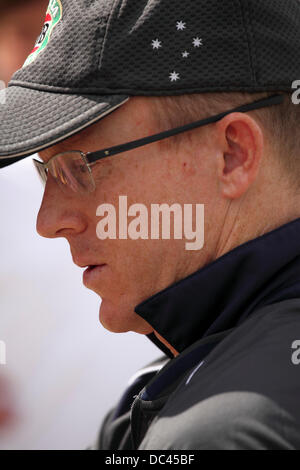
[
  {"x": 195, "y": 43},
  {"x": 156, "y": 44}
]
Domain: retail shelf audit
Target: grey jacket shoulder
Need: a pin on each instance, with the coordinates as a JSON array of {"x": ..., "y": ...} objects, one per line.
[{"x": 246, "y": 393}]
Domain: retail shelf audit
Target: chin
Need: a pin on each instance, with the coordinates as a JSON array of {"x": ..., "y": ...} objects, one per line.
[{"x": 121, "y": 319}]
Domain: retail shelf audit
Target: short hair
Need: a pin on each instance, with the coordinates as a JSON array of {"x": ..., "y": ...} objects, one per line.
[{"x": 280, "y": 123}]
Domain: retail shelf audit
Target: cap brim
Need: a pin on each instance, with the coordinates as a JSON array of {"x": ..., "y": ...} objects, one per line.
[{"x": 32, "y": 120}]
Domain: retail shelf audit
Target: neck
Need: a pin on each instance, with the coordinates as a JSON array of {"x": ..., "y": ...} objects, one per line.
[
  {"x": 165, "y": 342},
  {"x": 251, "y": 217}
]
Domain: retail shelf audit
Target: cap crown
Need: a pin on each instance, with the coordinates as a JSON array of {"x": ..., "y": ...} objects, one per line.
[{"x": 158, "y": 47}]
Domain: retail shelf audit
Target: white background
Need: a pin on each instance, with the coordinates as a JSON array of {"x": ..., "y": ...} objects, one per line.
[{"x": 66, "y": 371}]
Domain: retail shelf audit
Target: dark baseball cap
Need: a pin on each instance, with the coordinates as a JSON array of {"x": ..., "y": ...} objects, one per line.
[{"x": 93, "y": 55}]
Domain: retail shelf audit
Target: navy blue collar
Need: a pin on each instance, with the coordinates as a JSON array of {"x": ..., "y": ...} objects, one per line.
[{"x": 223, "y": 293}]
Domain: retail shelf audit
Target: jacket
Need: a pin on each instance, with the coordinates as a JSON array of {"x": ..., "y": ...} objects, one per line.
[{"x": 236, "y": 382}]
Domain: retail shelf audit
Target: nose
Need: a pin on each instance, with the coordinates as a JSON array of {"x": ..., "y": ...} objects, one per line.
[{"x": 60, "y": 215}]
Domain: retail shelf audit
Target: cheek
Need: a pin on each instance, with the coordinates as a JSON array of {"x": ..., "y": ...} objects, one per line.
[
  {"x": 139, "y": 268},
  {"x": 133, "y": 269},
  {"x": 133, "y": 176}
]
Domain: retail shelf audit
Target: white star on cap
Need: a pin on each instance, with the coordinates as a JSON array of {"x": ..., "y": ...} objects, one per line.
[
  {"x": 197, "y": 42},
  {"x": 174, "y": 76},
  {"x": 180, "y": 25},
  {"x": 185, "y": 54},
  {"x": 156, "y": 44}
]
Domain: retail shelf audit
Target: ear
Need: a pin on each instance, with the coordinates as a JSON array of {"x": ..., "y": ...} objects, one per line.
[{"x": 241, "y": 145}]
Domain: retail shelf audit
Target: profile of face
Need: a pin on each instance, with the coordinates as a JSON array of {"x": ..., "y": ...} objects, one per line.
[
  {"x": 130, "y": 270},
  {"x": 20, "y": 25},
  {"x": 125, "y": 272}
]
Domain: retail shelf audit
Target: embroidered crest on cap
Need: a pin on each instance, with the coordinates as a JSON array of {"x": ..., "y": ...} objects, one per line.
[{"x": 53, "y": 16}]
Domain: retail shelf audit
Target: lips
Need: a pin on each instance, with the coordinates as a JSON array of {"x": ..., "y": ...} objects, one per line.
[
  {"x": 92, "y": 275},
  {"x": 84, "y": 263}
]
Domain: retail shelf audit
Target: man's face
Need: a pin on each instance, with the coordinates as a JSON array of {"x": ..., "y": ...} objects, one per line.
[
  {"x": 131, "y": 270},
  {"x": 20, "y": 25}
]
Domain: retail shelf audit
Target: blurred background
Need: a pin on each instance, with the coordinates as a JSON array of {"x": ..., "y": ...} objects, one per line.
[{"x": 63, "y": 370}]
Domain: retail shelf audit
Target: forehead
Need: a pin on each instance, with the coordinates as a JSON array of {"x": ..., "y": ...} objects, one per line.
[{"x": 72, "y": 143}]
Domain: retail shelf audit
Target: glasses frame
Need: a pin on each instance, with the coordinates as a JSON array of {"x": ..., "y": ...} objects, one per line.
[
  {"x": 43, "y": 168},
  {"x": 91, "y": 158}
]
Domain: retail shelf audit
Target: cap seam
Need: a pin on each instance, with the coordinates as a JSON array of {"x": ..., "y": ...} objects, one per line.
[
  {"x": 250, "y": 38},
  {"x": 101, "y": 25},
  {"x": 256, "y": 68},
  {"x": 106, "y": 34}
]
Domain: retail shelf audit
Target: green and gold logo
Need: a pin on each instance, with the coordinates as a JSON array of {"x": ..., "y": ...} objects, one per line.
[{"x": 53, "y": 16}]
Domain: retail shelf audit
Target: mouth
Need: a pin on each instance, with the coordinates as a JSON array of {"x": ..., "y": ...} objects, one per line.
[{"x": 92, "y": 275}]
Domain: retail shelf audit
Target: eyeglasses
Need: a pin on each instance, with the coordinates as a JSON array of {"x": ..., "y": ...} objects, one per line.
[{"x": 72, "y": 169}]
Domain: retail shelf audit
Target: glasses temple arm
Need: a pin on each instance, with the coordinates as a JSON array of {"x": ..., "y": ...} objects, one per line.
[{"x": 266, "y": 102}]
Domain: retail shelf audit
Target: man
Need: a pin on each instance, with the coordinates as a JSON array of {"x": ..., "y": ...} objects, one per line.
[{"x": 227, "y": 315}]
